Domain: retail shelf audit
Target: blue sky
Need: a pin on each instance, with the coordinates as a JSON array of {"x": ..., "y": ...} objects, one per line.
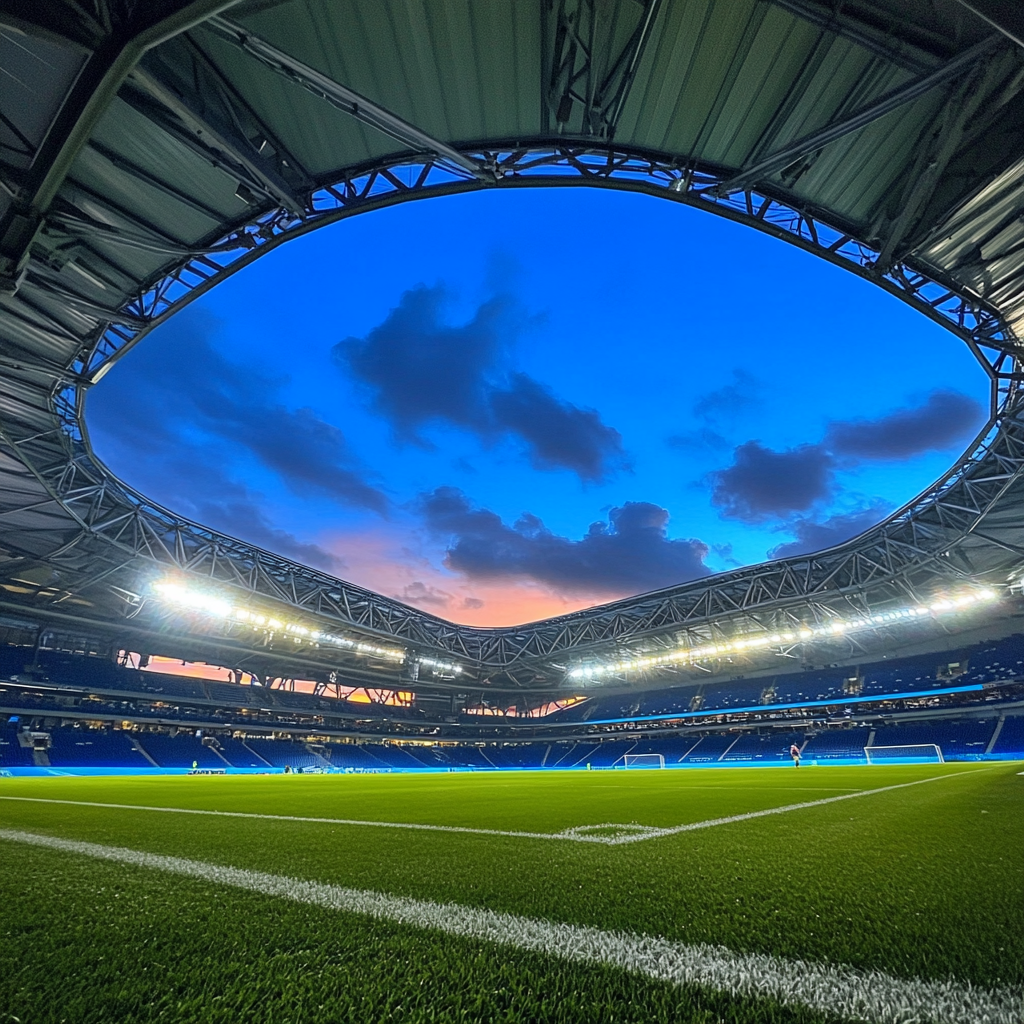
[{"x": 507, "y": 405}]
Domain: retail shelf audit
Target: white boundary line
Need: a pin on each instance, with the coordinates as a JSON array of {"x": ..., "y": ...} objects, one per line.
[
  {"x": 835, "y": 990},
  {"x": 625, "y": 833}
]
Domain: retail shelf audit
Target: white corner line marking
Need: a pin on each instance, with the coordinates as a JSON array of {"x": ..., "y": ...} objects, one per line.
[
  {"x": 831, "y": 989},
  {"x": 615, "y": 834}
]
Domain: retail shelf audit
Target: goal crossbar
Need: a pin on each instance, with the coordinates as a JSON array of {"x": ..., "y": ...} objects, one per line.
[
  {"x": 643, "y": 760},
  {"x": 904, "y": 752}
]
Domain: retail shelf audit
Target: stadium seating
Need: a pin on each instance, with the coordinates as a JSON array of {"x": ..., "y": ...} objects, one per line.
[
  {"x": 287, "y": 754},
  {"x": 837, "y": 745},
  {"x": 352, "y": 755},
  {"x": 770, "y": 748},
  {"x": 519, "y": 755},
  {"x": 986, "y": 663},
  {"x": 72, "y": 747},
  {"x": 238, "y": 755},
  {"x": 1010, "y": 741},
  {"x": 394, "y": 756},
  {"x": 708, "y": 749},
  {"x": 79, "y": 746},
  {"x": 182, "y": 751},
  {"x": 96, "y": 686},
  {"x": 12, "y": 753}
]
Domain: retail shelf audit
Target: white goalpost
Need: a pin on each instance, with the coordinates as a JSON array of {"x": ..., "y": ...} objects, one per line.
[
  {"x": 643, "y": 760},
  {"x": 928, "y": 753}
]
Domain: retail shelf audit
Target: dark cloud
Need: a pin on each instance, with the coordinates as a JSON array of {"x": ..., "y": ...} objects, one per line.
[
  {"x": 204, "y": 492},
  {"x": 420, "y": 370},
  {"x": 172, "y": 390},
  {"x": 556, "y": 433},
  {"x": 242, "y": 517},
  {"x": 726, "y": 401},
  {"x": 946, "y": 418},
  {"x": 423, "y": 595},
  {"x": 816, "y": 535},
  {"x": 764, "y": 484},
  {"x": 629, "y": 554}
]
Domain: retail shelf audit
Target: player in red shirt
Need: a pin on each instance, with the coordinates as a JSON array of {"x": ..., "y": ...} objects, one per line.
[{"x": 794, "y": 752}]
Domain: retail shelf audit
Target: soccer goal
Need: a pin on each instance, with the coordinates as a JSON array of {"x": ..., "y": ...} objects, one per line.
[
  {"x": 919, "y": 753},
  {"x": 643, "y": 760}
]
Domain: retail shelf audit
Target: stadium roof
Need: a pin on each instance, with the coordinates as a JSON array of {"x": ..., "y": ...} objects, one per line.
[{"x": 149, "y": 150}]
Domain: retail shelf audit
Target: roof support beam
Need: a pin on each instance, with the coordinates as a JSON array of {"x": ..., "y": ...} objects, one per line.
[
  {"x": 933, "y": 156},
  {"x": 240, "y": 110},
  {"x": 204, "y": 132},
  {"x": 576, "y": 73},
  {"x": 882, "y": 44},
  {"x": 861, "y": 118},
  {"x": 97, "y": 84},
  {"x": 1005, "y": 15},
  {"x": 348, "y": 100}
]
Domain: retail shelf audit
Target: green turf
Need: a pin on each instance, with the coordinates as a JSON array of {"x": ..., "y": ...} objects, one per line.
[{"x": 926, "y": 881}]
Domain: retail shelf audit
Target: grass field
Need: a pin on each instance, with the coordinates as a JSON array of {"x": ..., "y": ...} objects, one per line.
[{"x": 923, "y": 883}]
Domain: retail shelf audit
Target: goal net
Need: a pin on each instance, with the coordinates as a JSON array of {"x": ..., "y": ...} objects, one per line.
[
  {"x": 643, "y": 760},
  {"x": 928, "y": 753}
]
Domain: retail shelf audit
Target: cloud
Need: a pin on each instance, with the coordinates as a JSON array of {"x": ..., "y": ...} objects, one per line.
[
  {"x": 381, "y": 558},
  {"x": 420, "y": 370},
  {"x": 816, "y": 535},
  {"x": 946, "y": 418},
  {"x": 703, "y": 438},
  {"x": 177, "y": 391},
  {"x": 242, "y": 517},
  {"x": 716, "y": 410},
  {"x": 557, "y": 433},
  {"x": 726, "y": 401},
  {"x": 205, "y": 492},
  {"x": 629, "y": 554},
  {"x": 423, "y": 594},
  {"x": 764, "y": 484}
]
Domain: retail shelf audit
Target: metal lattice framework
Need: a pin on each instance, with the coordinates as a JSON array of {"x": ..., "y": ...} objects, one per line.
[{"x": 74, "y": 535}]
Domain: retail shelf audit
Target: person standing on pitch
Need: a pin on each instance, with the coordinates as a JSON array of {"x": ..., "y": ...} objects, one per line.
[{"x": 794, "y": 752}]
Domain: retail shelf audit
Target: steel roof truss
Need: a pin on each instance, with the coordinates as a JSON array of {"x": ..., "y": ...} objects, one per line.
[
  {"x": 345, "y": 99},
  {"x": 214, "y": 139},
  {"x": 893, "y": 100}
]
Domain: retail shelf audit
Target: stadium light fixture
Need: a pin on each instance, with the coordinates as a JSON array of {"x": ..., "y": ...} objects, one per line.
[
  {"x": 204, "y": 602},
  {"x": 441, "y": 668},
  {"x": 798, "y": 634}
]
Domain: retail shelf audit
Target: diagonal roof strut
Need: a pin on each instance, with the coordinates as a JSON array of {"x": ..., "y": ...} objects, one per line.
[
  {"x": 345, "y": 99},
  {"x": 861, "y": 118}
]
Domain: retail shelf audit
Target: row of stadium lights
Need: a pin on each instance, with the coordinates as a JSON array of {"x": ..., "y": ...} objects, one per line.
[
  {"x": 803, "y": 634},
  {"x": 206, "y": 603}
]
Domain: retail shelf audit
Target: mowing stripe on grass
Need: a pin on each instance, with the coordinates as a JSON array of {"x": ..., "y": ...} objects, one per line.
[
  {"x": 844, "y": 991},
  {"x": 610, "y": 834}
]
